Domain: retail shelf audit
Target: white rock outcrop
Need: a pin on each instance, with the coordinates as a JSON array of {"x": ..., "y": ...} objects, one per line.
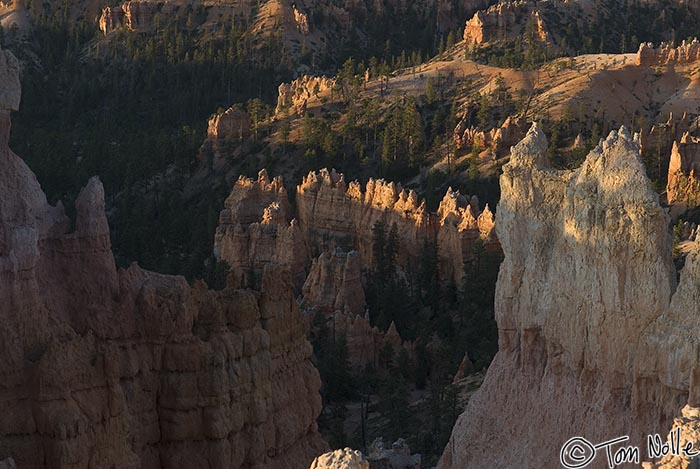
[{"x": 594, "y": 338}]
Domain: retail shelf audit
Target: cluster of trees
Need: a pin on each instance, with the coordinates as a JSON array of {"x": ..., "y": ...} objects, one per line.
[
  {"x": 619, "y": 28},
  {"x": 393, "y": 136},
  {"x": 444, "y": 321},
  {"x": 132, "y": 105}
]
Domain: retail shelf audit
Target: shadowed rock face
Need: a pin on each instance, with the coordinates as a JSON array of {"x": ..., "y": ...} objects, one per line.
[
  {"x": 594, "y": 338},
  {"x": 126, "y": 368}
]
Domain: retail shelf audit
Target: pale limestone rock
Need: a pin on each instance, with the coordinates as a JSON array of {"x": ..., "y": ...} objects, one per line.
[
  {"x": 341, "y": 459},
  {"x": 683, "y": 184},
  {"x": 505, "y": 21},
  {"x": 254, "y": 231},
  {"x": 135, "y": 15},
  {"x": 499, "y": 139},
  {"x": 590, "y": 343},
  {"x": 687, "y": 52},
  {"x": 333, "y": 213},
  {"x": 233, "y": 124},
  {"x": 294, "y": 96},
  {"x": 302, "y": 20}
]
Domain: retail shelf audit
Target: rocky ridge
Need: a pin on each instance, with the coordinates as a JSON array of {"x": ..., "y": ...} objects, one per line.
[
  {"x": 687, "y": 52},
  {"x": 333, "y": 213},
  {"x": 505, "y": 21},
  {"x": 107, "y": 367},
  {"x": 585, "y": 250},
  {"x": 498, "y": 140},
  {"x": 256, "y": 230},
  {"x": 295, "y": 96}
]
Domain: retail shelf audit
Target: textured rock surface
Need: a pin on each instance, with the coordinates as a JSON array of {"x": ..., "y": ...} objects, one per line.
[
  {"x": 590, "y": 342},
  {"x": 126, "y": 368},
  {"x": 254, "y": 230},
  {"x": 398, "y": 457},
  {"x": 10, "y": 90},
  {"x": 341, "y": 459},
  {"x": 499, "y": 139},
  {"x": 333, "y": 213},
  {"x": 134, "y": 15},
  {"x": 365, "y": 342},
  {"x": 334, "y": 283},
  {"x": 295, "y": 96},
  {"x": 231, "y": 124},
  {"x": 686, "y": 53},
  {"x": 683, "y": 184},
  {"x": 505, "y": 21}
]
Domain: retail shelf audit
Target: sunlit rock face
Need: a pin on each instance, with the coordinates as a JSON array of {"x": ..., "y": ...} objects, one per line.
[
  {"x": 683, "y": 183},
  {"x": 666, "y": 54},
  {"x": 255, "y": 230},
  {"x": 595, "y": 340},
  {"x": 333, "y": 213},
  {"x": 106, "y": 367}
]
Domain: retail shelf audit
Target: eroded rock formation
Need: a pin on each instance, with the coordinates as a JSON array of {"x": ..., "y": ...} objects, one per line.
[
  {"x": 498, "y": 140},
  {"x": 134, "y": 15},
  {"x": 658, "y": 140},
  {"x": 333, "y": 213},
  {"x": 505, "y": 21},
  {"x": 294, "y": 96},
  {"x": 686, "y": 53},
  {"x": 366, "y": 342},
  {"x": 398, "y": 457},
  {"x": 106, "y": 367},
  {"x": 683, "y": 185},
  {"x": 334, "y": 283},
  {"x": 255, "y": 230},
  {"x": 593, "y": 341},
  {"x": 341, "y": 459}
]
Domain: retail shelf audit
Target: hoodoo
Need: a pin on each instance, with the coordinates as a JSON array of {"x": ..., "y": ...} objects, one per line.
[
  {"x": 595, "y": 340},
  {"x": 106, "y": 367}
]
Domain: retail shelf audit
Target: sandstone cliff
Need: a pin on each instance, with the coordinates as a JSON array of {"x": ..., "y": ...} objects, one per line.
[
  {"x": 255, "y": 230},
  {"x": 686, "y": 53},
  {"x": 683, "y": 185},
  {"x": 499, "y": 140},
  {"x": 333, "y": 213},
  {"x": 593, "y": 341},
  {"x": 506, "y": 21},
  {"x": 294, "y": 96},
  {"x": 105, "y": 367},
  {"x": 334, "y": 283}
]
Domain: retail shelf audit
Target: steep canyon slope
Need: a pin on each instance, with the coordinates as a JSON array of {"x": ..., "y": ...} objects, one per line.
[
  {"x": 106, "y": 367},
  {"x": 595, "y": 340}
]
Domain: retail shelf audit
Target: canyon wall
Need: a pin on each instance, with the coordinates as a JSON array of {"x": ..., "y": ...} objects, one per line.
[
  {"x": 333, "y": 213},
  {"x": 255, "y": 231},
  {"x": 593, "y": 341},
  {"x": 687, "y": 52},
  {"x": 506, "y": 21},
  {"x": 107, "y": 367},
  {"x": 295, "y": 96}
]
